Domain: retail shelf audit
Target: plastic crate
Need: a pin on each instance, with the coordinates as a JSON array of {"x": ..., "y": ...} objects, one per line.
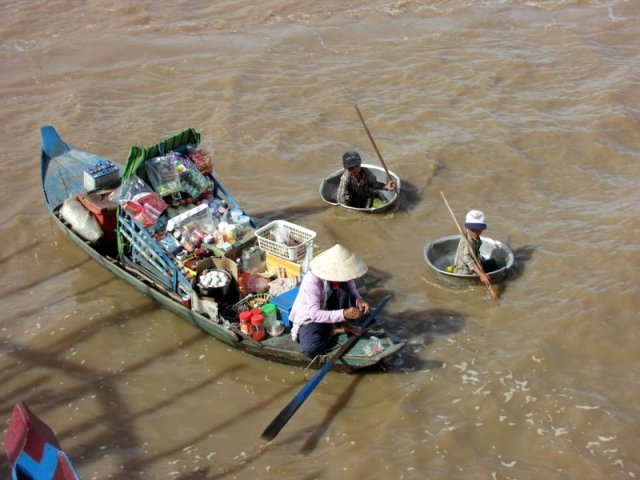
[{"x": 303, "y": 237}]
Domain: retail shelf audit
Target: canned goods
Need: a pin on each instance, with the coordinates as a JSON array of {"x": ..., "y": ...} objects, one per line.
[{"x": 186, "y": 301}]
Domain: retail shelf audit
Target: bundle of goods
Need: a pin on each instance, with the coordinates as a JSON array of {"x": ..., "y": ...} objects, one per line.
[
  {"x": 194, "y": 214},
  {"x": 180, "y": 227}
]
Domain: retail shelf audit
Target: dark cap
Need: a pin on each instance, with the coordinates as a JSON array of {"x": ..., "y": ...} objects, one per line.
[{"x": 351, "y": 159}]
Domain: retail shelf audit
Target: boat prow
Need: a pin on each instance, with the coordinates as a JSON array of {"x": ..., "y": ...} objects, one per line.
[
  {"x": 33, "y": 448},
  {"x": 329, "y": 189},
  {"x": 440, "y": 253}
]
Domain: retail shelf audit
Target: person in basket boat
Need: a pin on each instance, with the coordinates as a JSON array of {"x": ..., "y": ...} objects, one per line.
[
  {"x": 359, "y": 187},
  {"x": 328, "y": 300},
  {"x": 463, "y": 262}
]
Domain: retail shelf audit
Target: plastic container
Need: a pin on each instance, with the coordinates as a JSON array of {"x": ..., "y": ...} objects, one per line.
[
  {"x": 251, "y": 260},
  {"x": 103, "y": 174},
  {"x": 104, "y": 210},
  {"x": 257, "y": 327},
  {"x": 244, "y": 223},
  {"x": 245, "y": 321},
  {"x": 285, "y": 239},
  {"x": 235, "y": 213},
  {"x": 270, "y": 314}
]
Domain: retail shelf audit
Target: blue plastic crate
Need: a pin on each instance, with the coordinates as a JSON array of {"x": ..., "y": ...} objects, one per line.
[{"x": 284, "y": 303}]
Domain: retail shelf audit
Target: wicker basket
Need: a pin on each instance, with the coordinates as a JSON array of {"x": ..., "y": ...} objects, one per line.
[
  {"x": 250, "y": 301},
  {"x": 302, "y": 237}
]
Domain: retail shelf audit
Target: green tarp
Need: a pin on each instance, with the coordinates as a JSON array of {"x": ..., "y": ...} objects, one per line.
[{"x": 138, "y": 155}]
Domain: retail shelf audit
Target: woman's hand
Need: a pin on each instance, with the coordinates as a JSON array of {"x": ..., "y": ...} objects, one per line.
[
  {"x": 363, "y": 306},
  {"x": 352, "y": 313}
]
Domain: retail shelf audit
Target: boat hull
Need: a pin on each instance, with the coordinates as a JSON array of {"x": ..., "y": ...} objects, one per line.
[
  {"x": 62, "y": 177},
  {"x": 440, "y": 254},
  {"x": 329, "y": 189}
]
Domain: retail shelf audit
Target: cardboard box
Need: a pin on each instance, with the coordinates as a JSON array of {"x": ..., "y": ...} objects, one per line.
[{"x": 275, "y": 263}]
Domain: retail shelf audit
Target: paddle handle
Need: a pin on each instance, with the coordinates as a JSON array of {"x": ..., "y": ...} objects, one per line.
[
  {"x": 493, "y": 293},
  {"x": 373, "y": 142},
  {"x": 296, "y": 402}
]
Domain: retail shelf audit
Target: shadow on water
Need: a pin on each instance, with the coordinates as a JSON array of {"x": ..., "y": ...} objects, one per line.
[
  {"x": 410, "y": 197},
  {"x": 522, "y": 256},
  {"x": 419, "y": 328},
  {"x": 116, "y": 424},
  {"x": 322, "y": 427}
]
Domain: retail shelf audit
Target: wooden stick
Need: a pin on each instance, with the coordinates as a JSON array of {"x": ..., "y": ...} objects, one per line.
[
  {"x": 493, "y": 293},
  {"x": 373, "y": 142}
]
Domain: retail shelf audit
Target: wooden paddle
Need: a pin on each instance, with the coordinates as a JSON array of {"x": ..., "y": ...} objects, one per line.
[
  {"x": 373, "y": 142},
  {"x": 493, "y": 293},
  {"x": 287, "y": 412}
]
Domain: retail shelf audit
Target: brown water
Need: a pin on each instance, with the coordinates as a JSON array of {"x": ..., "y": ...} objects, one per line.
[{"x": 527, "y": 110}]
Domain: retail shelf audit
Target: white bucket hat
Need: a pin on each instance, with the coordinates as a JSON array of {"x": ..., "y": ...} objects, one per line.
[
  {"x": 475, "y": 220},
  {"x": 338, "y": 264}
]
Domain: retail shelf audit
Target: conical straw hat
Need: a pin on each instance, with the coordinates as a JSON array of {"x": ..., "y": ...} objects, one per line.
[{"x": 338, "y": 264}]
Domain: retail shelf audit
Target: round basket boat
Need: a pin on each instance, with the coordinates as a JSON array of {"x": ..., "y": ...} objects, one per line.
[
  {"x": 440, "y": 253},
  {"x": 329, "y": 189}
]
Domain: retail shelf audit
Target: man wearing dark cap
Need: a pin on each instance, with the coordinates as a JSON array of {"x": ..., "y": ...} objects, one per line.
[{"x": 358, "y": 186}]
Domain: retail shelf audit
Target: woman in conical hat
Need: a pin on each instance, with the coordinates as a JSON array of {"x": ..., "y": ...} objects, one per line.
[{"x": 328, "y": 300}]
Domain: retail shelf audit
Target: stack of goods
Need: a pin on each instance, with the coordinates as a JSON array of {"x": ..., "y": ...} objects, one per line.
[
  {"x": 175, "y": 198},
  {"x": 188, "y": 218}
]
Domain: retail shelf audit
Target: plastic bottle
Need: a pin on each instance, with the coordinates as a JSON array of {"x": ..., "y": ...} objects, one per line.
[
  {"x": 251, "y": 260},
  {"x": 257, "y": 327}
]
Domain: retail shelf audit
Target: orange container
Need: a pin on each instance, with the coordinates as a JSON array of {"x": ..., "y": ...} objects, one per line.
[{"x": 104, "y": 210}]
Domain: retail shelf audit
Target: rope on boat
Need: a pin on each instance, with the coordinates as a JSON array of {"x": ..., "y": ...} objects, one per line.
[{"x": 308, "y": 367}]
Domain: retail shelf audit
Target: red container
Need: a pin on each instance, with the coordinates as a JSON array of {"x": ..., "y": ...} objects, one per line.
[
  {"x": 245, "y": 322},
  {"x": 257, "y": 327},
  {"x": 104, "y": 210}
]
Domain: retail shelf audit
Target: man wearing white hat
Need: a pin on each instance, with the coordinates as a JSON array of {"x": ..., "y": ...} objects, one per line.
[
  {"x": 464, "y": 263},
  {"x": 328, "y": 300}
]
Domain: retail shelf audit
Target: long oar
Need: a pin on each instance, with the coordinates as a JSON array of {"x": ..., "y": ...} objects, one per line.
[
  {"x": 373, "y": 142},
  {"x": 287, "y": 412},
  {"x": 493, "y": 293}
]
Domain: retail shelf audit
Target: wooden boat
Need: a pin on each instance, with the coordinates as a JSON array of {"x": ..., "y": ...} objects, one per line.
[
  {"x": 142, "y": 262},
  {"x": 440, "y": 254},
  {"x": 329, "y": 189},
  {"x": 33, "y": 448}
]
